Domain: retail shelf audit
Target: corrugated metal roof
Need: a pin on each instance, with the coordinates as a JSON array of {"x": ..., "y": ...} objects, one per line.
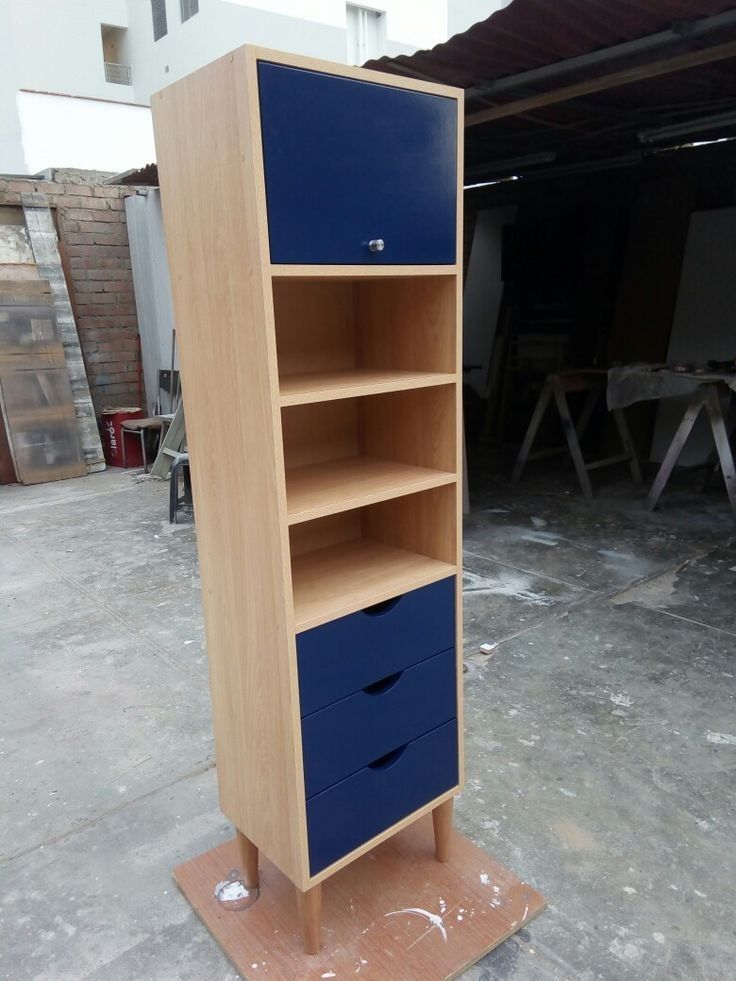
[
  {"x": 529, "y": 34},
  {"x": 146, "y": 176}
]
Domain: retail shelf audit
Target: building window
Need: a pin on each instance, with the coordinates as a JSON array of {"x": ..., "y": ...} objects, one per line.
[
  {"x": 114, "y": 54},
  {"x": 158, "y": 12},
  {"x": 188, "y": 9},
  {"x": 365, "y": 34}
]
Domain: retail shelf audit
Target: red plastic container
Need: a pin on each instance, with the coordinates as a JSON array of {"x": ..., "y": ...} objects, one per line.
[{"x": 112, "y": 438}]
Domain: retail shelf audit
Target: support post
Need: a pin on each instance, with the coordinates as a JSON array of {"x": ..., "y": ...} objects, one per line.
[
  {"x": 310, "y": 915},
  {"x": 723, "y": 446},
  {"x": 675, "y": 449},
  {"x": 248, "y": 861},
  {"x": 442, "y": 820}
]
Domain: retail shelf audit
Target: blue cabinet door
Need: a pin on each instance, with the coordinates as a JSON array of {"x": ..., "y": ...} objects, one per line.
[{"x": 348, "y": 163}]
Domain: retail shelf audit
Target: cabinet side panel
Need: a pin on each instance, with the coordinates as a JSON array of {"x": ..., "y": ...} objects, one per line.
[{"x": 227, "y": 348}]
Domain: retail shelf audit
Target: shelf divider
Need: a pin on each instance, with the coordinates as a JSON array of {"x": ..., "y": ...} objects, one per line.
[
  {"x": 360, "y": 271},
  {"x": 326, "y": 386},
  {"x": 340, "y": 485}
]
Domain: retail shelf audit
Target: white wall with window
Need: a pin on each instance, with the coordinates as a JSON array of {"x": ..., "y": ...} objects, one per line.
[
  {"x": 122, "y": 51},
  {"x": 366, "y": 30}
]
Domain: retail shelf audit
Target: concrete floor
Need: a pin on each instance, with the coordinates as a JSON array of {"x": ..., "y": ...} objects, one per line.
[{"x": 601, "y": 734}]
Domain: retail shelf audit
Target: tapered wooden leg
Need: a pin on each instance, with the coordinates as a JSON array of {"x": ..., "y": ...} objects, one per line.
[
  {"x": 310, "y": 914},
  {"x": 442, "y": 819},
  {"x": 248, "y": 861}
]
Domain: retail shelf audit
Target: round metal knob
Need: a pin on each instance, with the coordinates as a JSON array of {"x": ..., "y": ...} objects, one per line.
[{"x": 376, "y": 245}]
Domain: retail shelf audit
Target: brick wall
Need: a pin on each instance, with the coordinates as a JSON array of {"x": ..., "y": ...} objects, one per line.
[{"x": 90, "y": 218}]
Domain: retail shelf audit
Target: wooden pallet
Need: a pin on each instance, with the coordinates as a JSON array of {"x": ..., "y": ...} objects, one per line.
[{"x": 394, "y": 913}]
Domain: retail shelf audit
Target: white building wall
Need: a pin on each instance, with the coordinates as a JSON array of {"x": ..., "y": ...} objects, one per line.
[
  {"x": 60, "y": 131},
  {"x": 462, "y": 14},
  {"x": 55, "y": 46}
]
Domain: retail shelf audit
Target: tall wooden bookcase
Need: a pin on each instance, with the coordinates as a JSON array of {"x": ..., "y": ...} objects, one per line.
[{"x": 312, "y": 219}]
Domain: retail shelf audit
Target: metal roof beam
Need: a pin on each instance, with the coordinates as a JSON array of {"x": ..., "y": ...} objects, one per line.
[
  {"x": 638, "y": 73},
  {"x": 680, "y": 31}
]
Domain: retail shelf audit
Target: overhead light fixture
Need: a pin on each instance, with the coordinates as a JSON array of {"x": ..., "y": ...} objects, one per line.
[
  {"x": 510, "y": 165},
  {"x": 498, "y": 180},
  {"x": 662, "y": 133}
]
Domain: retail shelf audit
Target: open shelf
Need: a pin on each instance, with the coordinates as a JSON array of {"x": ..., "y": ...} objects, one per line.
[
  {"x": 350, "y": 560},
  {"x": 364, "y": 335},
  {"x": 340, "y": 579},
  {"x": 326, "y": 386},
  {"x": 350, "y": 453},
  {"x": 340, "y": 485}
]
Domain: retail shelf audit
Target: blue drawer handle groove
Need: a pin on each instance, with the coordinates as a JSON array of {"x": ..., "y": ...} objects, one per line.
[
  {"x": 384, "y": 685},
  {"x": 379, "y": 609},
  {"x": 389, "y": 759}
]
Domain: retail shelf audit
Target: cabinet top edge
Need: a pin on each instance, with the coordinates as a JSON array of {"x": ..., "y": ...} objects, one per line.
[
  {"x": 292, "y": 60},
  {"x": 253, "y": 53}
]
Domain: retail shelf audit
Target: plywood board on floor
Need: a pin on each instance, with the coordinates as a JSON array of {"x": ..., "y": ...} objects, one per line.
[{"x": 394, "y": 913}]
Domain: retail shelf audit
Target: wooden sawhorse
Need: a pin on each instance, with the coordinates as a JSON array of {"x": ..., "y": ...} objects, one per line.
[
  {"x": 557, "y": 386},
  {"x": 706, "y": 396}
]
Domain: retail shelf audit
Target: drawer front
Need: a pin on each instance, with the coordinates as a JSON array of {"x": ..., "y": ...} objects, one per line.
[
  {"x": 346, "y": 736},
  {"x": 347, "y": 162},
  {"x": 371, "y": 800},
  {"x": 339, "y": 658}
]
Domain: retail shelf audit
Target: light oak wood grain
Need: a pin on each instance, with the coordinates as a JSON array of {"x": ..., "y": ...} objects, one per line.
[
  {"x": 340, "y": 485},
  {"x": 325, "y": 386},
  {"x": 315, "y": 325},
  {"x": 289, "y": 271},
  {"x": 341, "y": 579},
  {"x": 408, "y": 323},
  {"x": 214, "y": 212}
]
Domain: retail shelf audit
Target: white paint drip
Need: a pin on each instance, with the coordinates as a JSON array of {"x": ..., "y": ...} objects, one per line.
[
  {"x": 625, "y": 951},
  {"x": 485, "y": 879},
  {"x": 720, "y": 738},
  {"x": 509, "y": 583},
  {"x": 541, "y": 538},
  {"x": 566, "y": 792},
  {"x": 630, "y": 890},
  {"x": 622, "y": 700},
  {"x": 328, "y": 974},
  {"x": 433, "y": 918},
  {"x": 228, "y": 892},
  {"x": 659, "y": 937},
  {"x": 529, "y": 742}
]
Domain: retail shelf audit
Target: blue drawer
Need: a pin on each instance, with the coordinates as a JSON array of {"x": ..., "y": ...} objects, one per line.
[
  {"x": 349, "y": 161},
  {"x": 342, "y": 738},
  {"x": 371, "y": 800},
  {"x": 342, "y": 657}
]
